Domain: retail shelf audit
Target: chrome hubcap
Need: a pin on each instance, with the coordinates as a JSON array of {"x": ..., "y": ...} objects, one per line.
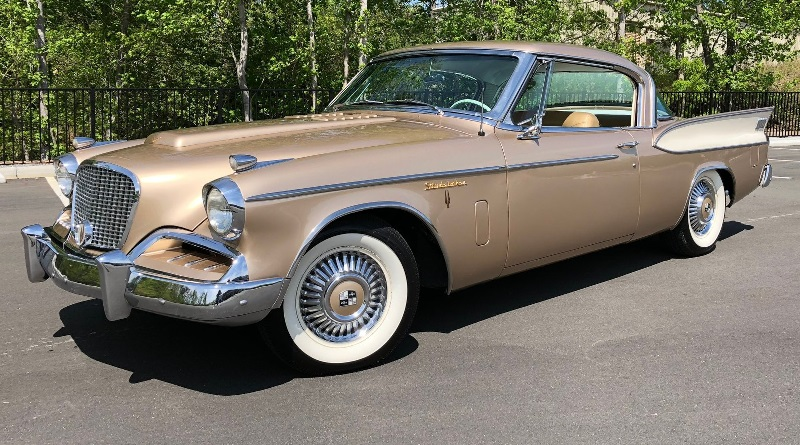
[
  {"x": 702, "y": 203},
  {"x": 343, "y": 295}
]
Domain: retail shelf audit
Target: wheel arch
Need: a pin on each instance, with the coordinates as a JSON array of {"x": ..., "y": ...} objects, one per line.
[
  {"x": 417, "y": 229},
  {"x": 728, "y": 181}
]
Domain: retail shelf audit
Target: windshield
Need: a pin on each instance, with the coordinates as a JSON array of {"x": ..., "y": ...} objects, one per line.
[{"x": 459, "y": 81}]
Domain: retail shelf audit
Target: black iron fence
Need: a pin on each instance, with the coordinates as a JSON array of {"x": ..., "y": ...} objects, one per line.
[
  {"x": 785, "y": 119},
  {"x": 38, "y": 125}
]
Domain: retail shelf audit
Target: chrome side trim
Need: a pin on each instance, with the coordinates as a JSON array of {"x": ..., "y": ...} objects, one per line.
[
  {"x": 703, "y": 150},
  {"x": 569, "y": 161},
  {"x": 370, "y": 206},
  {"x": 371, "y": 182},
  {"x": 263, "y": 164}
]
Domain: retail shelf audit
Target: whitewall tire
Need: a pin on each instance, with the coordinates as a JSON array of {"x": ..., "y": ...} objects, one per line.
[
  {"x": 703, "y": 216},
  {"x": 350, "y": 301}
]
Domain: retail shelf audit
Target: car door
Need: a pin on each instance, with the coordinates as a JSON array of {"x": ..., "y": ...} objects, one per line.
[{"x": 576, "y": 183}]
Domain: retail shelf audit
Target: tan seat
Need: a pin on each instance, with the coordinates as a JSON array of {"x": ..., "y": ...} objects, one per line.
[{"x": 581, "y": 119}]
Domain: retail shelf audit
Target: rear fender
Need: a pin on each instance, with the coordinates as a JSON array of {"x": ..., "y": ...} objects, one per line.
[{"x": 716, "y": 132}]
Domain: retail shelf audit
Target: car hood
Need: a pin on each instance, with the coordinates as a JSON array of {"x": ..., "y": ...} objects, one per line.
[{"x": 173, "y": 166}]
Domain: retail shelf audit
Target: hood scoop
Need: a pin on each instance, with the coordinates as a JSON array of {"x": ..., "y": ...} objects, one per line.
[{"x": 189, "y": 138}]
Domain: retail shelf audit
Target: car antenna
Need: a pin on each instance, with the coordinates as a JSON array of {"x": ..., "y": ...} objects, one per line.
[{"x": 480, "y": 129}]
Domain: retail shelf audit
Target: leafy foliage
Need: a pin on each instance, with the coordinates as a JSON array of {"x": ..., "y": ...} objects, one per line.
[{"x": 687, "y": 44}]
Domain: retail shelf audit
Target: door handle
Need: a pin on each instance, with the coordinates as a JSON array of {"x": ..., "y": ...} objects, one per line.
[{"x": 631, "y": 144}]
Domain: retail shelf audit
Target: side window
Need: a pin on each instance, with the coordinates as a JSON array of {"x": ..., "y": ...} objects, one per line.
[
  {"x": 528, "y": 104},
  {"x": 583, "y": 96}
]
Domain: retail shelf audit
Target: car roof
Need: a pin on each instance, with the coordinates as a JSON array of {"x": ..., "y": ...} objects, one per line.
[{"x": 540, "y": 48}]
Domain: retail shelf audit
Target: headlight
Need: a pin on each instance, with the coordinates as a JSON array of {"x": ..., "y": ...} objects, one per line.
[
  {"x": 220, "y": 216},
  {"x": 65, "y": 167},
  {"x": 225, "y": 208}
]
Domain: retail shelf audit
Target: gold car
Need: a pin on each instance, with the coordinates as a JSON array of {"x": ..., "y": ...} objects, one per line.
[{"x": 439, "y": 166}]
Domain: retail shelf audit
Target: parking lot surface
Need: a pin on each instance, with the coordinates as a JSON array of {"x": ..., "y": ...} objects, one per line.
[{"x": 627, "y": 345}]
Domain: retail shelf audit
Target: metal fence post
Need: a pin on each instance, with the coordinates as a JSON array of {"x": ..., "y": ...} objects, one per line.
[{"x": 92, "y": 118}]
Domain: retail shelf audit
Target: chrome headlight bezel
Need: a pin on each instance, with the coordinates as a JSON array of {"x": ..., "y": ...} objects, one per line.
[
  {"x": 66, "y": 167},
  {"x": 233, "y": 203}
]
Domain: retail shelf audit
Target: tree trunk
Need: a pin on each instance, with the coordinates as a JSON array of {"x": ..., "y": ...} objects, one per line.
[
  {"x": 705, "y": 42},
  {"x": 241, "y": 62},
  {"x": 40, "y": 44},
  {"x": 362, "y": 41},
  {"x": 124, "y": 23},
  {"x": 346, "y": 49},
  {"x": 622, "y": 18},
  {"x": 678, "y": 57},
  {"x": 312, "y": 51}
]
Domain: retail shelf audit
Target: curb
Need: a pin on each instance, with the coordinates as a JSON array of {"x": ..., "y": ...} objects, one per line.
[
  {"x": 25, "y": 171},
  {"x": 784, "y": 142}
]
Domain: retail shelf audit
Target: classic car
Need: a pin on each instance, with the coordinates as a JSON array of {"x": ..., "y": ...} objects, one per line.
[{"x": 439, "y": 166}]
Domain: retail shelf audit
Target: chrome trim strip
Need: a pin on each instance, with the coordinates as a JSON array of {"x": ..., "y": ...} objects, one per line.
[
  {"x": 263, "y": 164},
  {"x": 369, "y": 206},
  {"x": 371, "y": 182},
  {"x": 192, "y": 263},
  {"x": 702, "y": 150},
  {"x": 557, "y": 162},
  {"x": 176, "y": 258}
]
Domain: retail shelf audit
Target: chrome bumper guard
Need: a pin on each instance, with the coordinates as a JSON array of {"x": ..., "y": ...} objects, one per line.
[
  {"x": 121, "y": 285},
  {"x": 766, "y": 176}
]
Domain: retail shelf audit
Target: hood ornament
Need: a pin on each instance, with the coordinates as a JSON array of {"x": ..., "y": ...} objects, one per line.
[{"x": 82, "y": 233}]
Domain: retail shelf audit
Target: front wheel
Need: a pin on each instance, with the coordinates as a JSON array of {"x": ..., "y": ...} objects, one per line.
[
  {"x": 702, "y": 220},
  {"x": 349, "y": 304}
]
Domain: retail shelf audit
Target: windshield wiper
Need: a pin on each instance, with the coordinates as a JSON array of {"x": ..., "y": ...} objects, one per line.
[
  {"x": 359, "y": 102},
  {"x": 414, "y": 102}
]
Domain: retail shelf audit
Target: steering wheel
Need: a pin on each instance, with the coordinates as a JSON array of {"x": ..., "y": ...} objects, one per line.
[{"x": 472, "y": 102}]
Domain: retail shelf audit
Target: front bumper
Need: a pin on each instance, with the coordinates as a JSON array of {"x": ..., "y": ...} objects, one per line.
[{"x": 121, "y": 285}]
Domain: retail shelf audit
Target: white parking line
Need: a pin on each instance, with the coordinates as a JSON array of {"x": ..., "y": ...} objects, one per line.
[
  {"x": 773, "y": 217},
  {"x": 781, "y": 177},
  {"x": 782, "y": 160},
  {"x": 57, "y": 190}
]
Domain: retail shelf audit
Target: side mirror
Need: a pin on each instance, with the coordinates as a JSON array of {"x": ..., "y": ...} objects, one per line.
[{"x": 533, "y": 132}]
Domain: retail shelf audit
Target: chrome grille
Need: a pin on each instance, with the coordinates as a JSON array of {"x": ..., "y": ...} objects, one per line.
[{"x": 105, "y": 197}]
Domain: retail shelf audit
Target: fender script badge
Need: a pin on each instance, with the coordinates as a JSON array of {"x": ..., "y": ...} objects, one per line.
[{"x": 442, "y": 184}]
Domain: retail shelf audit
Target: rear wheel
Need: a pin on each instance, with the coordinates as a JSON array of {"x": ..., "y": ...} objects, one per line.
[
  {"x": 701, "y": 225},
  {"x": 349, "y": 304}
]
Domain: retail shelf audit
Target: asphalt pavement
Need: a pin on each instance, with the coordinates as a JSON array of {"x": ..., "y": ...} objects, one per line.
[{"x": 627, "y": 345}]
